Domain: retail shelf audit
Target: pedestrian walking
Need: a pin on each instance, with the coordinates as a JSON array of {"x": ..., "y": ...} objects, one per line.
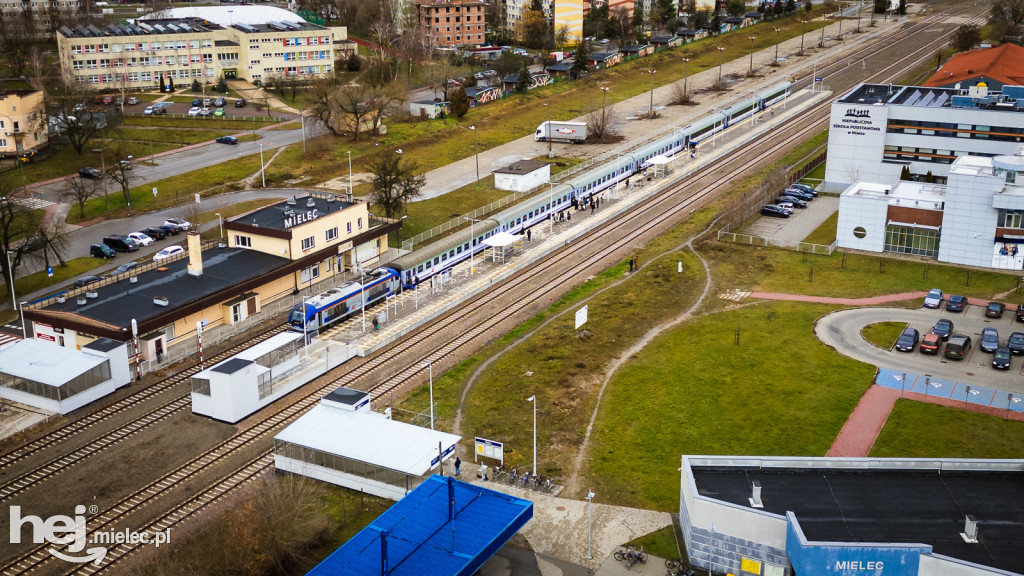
[
  {"x": 529, "y": 236},
  {"x": 458, "y": 465},
  {"x": 630, "y": 263},
  {"x": 636, "y": 261},
  {"x": 627, "y": 183},
  {"x": 592, "y": 207},
  {"x": 569, "y": 216}
]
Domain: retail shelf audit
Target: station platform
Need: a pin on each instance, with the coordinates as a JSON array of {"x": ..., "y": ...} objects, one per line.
[{"x": 410, "y": 310}]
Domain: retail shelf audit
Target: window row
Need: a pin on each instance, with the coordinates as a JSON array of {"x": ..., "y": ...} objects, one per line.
[
  {"x": 141, "y": 46},
  {"x": 143, "y": 61}
]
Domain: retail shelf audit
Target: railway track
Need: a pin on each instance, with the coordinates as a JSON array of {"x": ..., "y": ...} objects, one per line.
[
  {"x": 72, "y": 429},
  {"x": 645, "y": 217}
]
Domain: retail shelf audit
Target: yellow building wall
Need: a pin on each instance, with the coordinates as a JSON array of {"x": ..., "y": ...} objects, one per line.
[
  {"x": 28, "y": 111},
  {"x": 569, "y": 13},
  {"x": 215, "y": 315},
  {"x": 265, "y": 244}
]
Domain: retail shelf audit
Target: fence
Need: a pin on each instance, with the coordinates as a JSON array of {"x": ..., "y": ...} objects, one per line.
[
  {"x": 211, "y": 118},
  {"x": 798, "y": 246}
]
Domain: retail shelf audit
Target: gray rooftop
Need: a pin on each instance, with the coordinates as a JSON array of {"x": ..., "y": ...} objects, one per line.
[
  {"x": 521, "y": 167},
  {"x": 293, "y": 211}
]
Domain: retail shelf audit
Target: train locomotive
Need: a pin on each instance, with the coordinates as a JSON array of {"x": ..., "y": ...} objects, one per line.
[{"x": 318, "y": 312}]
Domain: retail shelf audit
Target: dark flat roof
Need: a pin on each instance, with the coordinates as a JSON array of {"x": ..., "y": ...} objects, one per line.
[
  {"x": 231, "y": 366},
  {"x": 123, "y": 301},
  {"x": 521, "y": 167},
  {"x": 345, "y": 396},
  {"x": 103, "y": 344},
  {"x": 274, "y": 217},
  {"x": 889, "y": 506}
]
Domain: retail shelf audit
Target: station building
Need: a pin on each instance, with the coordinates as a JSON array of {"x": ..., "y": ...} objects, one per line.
[
  {"x": 876, "y": 130},
  {"x": 202, "y": 43},
  {"x": 271, "y": 253},
  {"x": 976, "y": 219},
  {"x": 779, "y": 516}
]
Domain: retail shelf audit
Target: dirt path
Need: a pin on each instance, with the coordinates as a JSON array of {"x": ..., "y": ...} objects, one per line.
[
  {"x": 250, "y": 182},
  {"x": 865, "y": 423}
]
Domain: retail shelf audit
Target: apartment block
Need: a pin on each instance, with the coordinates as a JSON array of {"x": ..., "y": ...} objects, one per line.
[{"x": 453, "y": 22}]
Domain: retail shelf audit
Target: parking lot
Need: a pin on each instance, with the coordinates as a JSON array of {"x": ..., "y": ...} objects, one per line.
[
  {"x": 799, "y": 225},
  {"x": 842, "y": 330},
  {"x": 255, "y": 108}
]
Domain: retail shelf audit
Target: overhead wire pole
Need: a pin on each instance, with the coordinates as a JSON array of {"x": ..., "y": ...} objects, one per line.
[{"x": 720, "y": 50}]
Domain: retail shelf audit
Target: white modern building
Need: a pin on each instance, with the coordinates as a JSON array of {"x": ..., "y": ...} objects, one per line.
[
  {"x": 976, "y": 218},
  {"x": 342, "y": 441},
  {"x": 57, "y": 379},
  {"x": 878, "y": 129}
]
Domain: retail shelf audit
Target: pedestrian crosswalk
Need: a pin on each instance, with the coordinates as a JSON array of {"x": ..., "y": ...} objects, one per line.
[
  {"x": 734, "y": 294},
  {"x": 6, "y": 338},
  {"x": 34, "y": 203}
]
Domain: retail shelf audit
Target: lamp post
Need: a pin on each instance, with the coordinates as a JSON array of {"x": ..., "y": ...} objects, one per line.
[
  {"x": 776, "y": 45},
  {"x": 590, "y": 507},
  {"x": 302, "y": 122},
  {"x": 751, "y": 72},
  {"x": 840, "y": 36},
  {"x": 650, "y": 113},
  {"x": 349, "y": 172},
  {"x": 10, "y": 274},
  {"x": 686, "y": 72},
  {"x": 604, "y": 104},
  {"x": 821, "y": 43},
  {"x": 534, "y": 400},
  {"x": 263, "y": 175},
  {"x": 550, "y": 154},
  {"x": 220, "y": 223},
  {"x": 720, "y": 50},
  {"x": 430, "y": 373},
  {"x": 803, "y": 26},
  {"x": 860, "y": 8},
  {"x": 476, "y": 151}
]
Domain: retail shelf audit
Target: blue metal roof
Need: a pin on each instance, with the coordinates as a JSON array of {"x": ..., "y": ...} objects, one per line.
[{"x": 444, "y": 527}]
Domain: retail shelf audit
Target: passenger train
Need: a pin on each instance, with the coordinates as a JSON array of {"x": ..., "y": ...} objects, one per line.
[
  {"x": 338, "y": 303},
  {"x": 434, "y": 258}
]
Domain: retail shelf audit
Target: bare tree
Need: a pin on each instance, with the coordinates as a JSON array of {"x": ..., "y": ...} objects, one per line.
[
  {"x": 77, "y": 118},
  {"x": 1005, "y": 18},
  {"x": 352, "y": 103},
  {"x": 680, "y": 96},
  {"x": 37, "y": 64},
  {"x": 324, "y": 104},
  {"x": 16, "y": 223},
  {"x": 396, "y": 181},
  {"x": 54, "y": 241},
  {"x": 603, "y": 125},
  {"x": 120, "y": 170},
  {"x": 79, "y": 190},
  {"x": 385, "y": 101}
]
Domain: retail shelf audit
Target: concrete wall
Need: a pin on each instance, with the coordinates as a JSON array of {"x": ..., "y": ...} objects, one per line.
[
  {"x": 856, "y": 140},
  {"x": 867, "y": 212}
]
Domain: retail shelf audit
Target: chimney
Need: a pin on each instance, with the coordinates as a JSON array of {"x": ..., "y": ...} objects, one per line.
[
  {"x": 195, "y": 254},
  {"x": 970, "y": 533},
  {"x": 755, "y": 497}
]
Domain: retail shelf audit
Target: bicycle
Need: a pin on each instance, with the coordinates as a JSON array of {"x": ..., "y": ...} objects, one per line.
[
  {"x": 636, "y": 556},
  {"x": 498, "y": 471},
  {"x": 513, "y": 477},
  {"x": 524, "y": 481}
]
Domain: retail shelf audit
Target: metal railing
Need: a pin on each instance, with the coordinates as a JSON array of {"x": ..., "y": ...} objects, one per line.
[{"x": 796, "y": 245}]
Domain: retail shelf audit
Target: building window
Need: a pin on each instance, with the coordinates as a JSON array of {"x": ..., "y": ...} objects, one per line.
[
  {"x": 265, "y": 384},
  {"x": 200, "y": 386},
  {"x": 311, "y": 273},
  {"x": 359, "y": 223},
  {"x": 912, "y": 240},
  {"x": 243, "y": 241},
  {"x": 332, "y": 233},
  {"x": 308, "y": 243},
  {"x": 1010, "y": 219}
]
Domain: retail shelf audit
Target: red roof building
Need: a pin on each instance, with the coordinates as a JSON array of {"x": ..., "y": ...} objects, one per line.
[{"x": 997, "y": 66}]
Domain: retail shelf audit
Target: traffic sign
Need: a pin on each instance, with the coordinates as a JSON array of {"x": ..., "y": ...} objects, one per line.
[
  {"x": 818, "y": 79},
  {"x": 49, "y": 271}
]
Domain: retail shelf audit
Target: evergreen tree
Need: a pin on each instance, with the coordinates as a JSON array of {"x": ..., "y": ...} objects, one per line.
[
  {"x": 459, "y": 103},
  {"x": 790, "y": 6},
  {"x": 881, "y": 6},
  {"x": 579, "y": 65},
  {"x": 669, "y": 12},
  {"x": 523, "y": 80},
  {"x": 353, "y": 63},
  {"x": 170, "y": 83},
  {"x": 163, "y": 85},
  {"x": 222, "y": 86},
  {"x": 638, "y": 17},
  {"x": 196, "y": 86},
  {"x": 902, "y": 9},
  {"x": 905, "y": 173}
]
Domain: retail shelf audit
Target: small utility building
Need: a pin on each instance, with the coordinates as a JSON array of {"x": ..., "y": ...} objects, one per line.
[
  {"x": 54, "y": 378},
  {"x": 522, "y": 175},
  {"x": 343, "y": 442}
]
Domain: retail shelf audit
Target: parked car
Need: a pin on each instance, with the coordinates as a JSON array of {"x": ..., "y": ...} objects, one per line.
[
  {"x": 958, "y": 347},
  {"x": 787, "y": 206},
  {"x": 240, "y": 103},
  {"x": 931, "y": 343},
  {"x": 109, "y": 99},
  {"x": 1020, "y": 312},
  {"x": 148, "y": 111},
  {"x": 227, "y": 140},
  {"x": 193, "y": 111},
  {"x": 218, "y": 112},
  {"x": 995, "y": 309},
  {"x": 90, "y": 173},
  {"x": 944, "y": 328},
  {"x": 167, "y": 253},
  {"x": 933, "y": 299},
  {"x": 956, "y": 303},
  {"x": 799, "y": 203},
  {"x": 205, "y": 111},
  {"x": 1001, "y": 358},
  {"x": 179, "y": 222},
  {"x": 170, "y": 229},
  {"x": 197, "y": 102},
  {"x": 121, "y": 243},
  {"x": 908, "y": 339},
  {"x": 101, "y": 251},
  {"x": 159, "y": 110},
  {"x": 773, "y": 210},
  {"x": 155, "y": 233},
  {"x": 798, "y": 193},
  {"x": 86, "y": 280},
  {"x": 805, "y": 188},
  {"x": 132, "y": 101},
  {"x": 141, "y": 239},
  {"x": 1016, "y": 343},
  {"x": 124, "y": 268},
  {"x": 220, "y": 102},
  {"x": 207, "y": 102},
  {"x": 989, "y": 340}
]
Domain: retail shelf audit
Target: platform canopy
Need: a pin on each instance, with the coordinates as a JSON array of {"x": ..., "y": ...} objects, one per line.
[
  {"x": 502, "y": 240},
  {"x": 659, "y": 160},
  {"x": 442, "y": 528},
  {"x": 46, "y": 362}
]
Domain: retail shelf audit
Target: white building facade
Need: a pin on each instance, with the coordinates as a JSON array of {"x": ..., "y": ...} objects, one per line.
[{"x": 877, "y": 130}]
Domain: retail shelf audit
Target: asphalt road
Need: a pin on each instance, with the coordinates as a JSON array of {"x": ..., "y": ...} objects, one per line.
[{"x": 842, "y": 331}]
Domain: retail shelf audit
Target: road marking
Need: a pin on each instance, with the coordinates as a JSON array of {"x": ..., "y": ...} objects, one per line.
[
  {"x": 735, "y": 295},
  {"x": 34, "y": 203}
]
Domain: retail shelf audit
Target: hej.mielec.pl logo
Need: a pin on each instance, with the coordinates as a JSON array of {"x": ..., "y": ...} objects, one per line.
[{"x": 62, "y": 530}]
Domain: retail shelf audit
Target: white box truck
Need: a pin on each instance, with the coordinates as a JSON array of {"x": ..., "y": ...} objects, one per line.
[{"x": 572, "y": 132}]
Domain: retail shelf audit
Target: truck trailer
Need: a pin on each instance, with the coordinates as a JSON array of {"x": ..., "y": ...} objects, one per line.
[{"x": 572, "y": 132}]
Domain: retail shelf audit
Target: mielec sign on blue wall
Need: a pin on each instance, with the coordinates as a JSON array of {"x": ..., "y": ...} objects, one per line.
[{"x": 850, "y": 558}]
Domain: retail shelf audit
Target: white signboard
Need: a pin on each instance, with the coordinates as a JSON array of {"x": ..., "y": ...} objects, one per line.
[
  {"x": 489, "y": 449},
  {"x": 581, "y": 317}
]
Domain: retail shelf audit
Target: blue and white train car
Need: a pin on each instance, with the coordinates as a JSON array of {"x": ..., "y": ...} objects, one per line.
[{"x": 319, "y": 312}]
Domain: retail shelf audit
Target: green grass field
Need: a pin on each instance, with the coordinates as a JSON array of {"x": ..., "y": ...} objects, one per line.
[
  {"x": 826, "y": 233},
  {"x": 921, "y": 430},
  {"x": 883, "y": 334}
]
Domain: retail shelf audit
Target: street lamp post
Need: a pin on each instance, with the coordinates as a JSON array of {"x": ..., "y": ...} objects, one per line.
[
  {"x": 430, "y": 372},
  {"x": 686, "y": 72},
  {"x": 349, "y": 172},
  {"x": 550, "y": 154},
  {"x": 10, "y": 274},
  {"x": 263, "y": 175},
  {"x": 751, "y": 71},
  {"x": 803, "y": 26},
  {"x": 604, "y": 104},
  {"x": 821, "y": 43},
  {"x": 776, "y": 45},
  {"x": 476, "y": 151},
  {"x": 590, "y": 525},
  {"x": 840, "y": 36},
  {"x": 720, "y": 50},
  {"x": 220, "y": 223},
  {"x": 650, "y": 113},
  {"x": 860, "y": 7},
  {"x": 534, "y": 400}
]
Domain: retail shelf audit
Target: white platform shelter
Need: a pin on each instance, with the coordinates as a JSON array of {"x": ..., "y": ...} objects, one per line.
[
  {"x": 51, "y": 377},
  {"x": 257, "y": 376},
  {"x": 503, "y": 245},
  {"x": 343, "y": 442}
]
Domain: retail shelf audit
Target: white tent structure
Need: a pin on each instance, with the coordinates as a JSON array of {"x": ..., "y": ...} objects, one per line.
[
  {"x": 661, "y": 165},
  {"x": 503, "y": 245}
]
